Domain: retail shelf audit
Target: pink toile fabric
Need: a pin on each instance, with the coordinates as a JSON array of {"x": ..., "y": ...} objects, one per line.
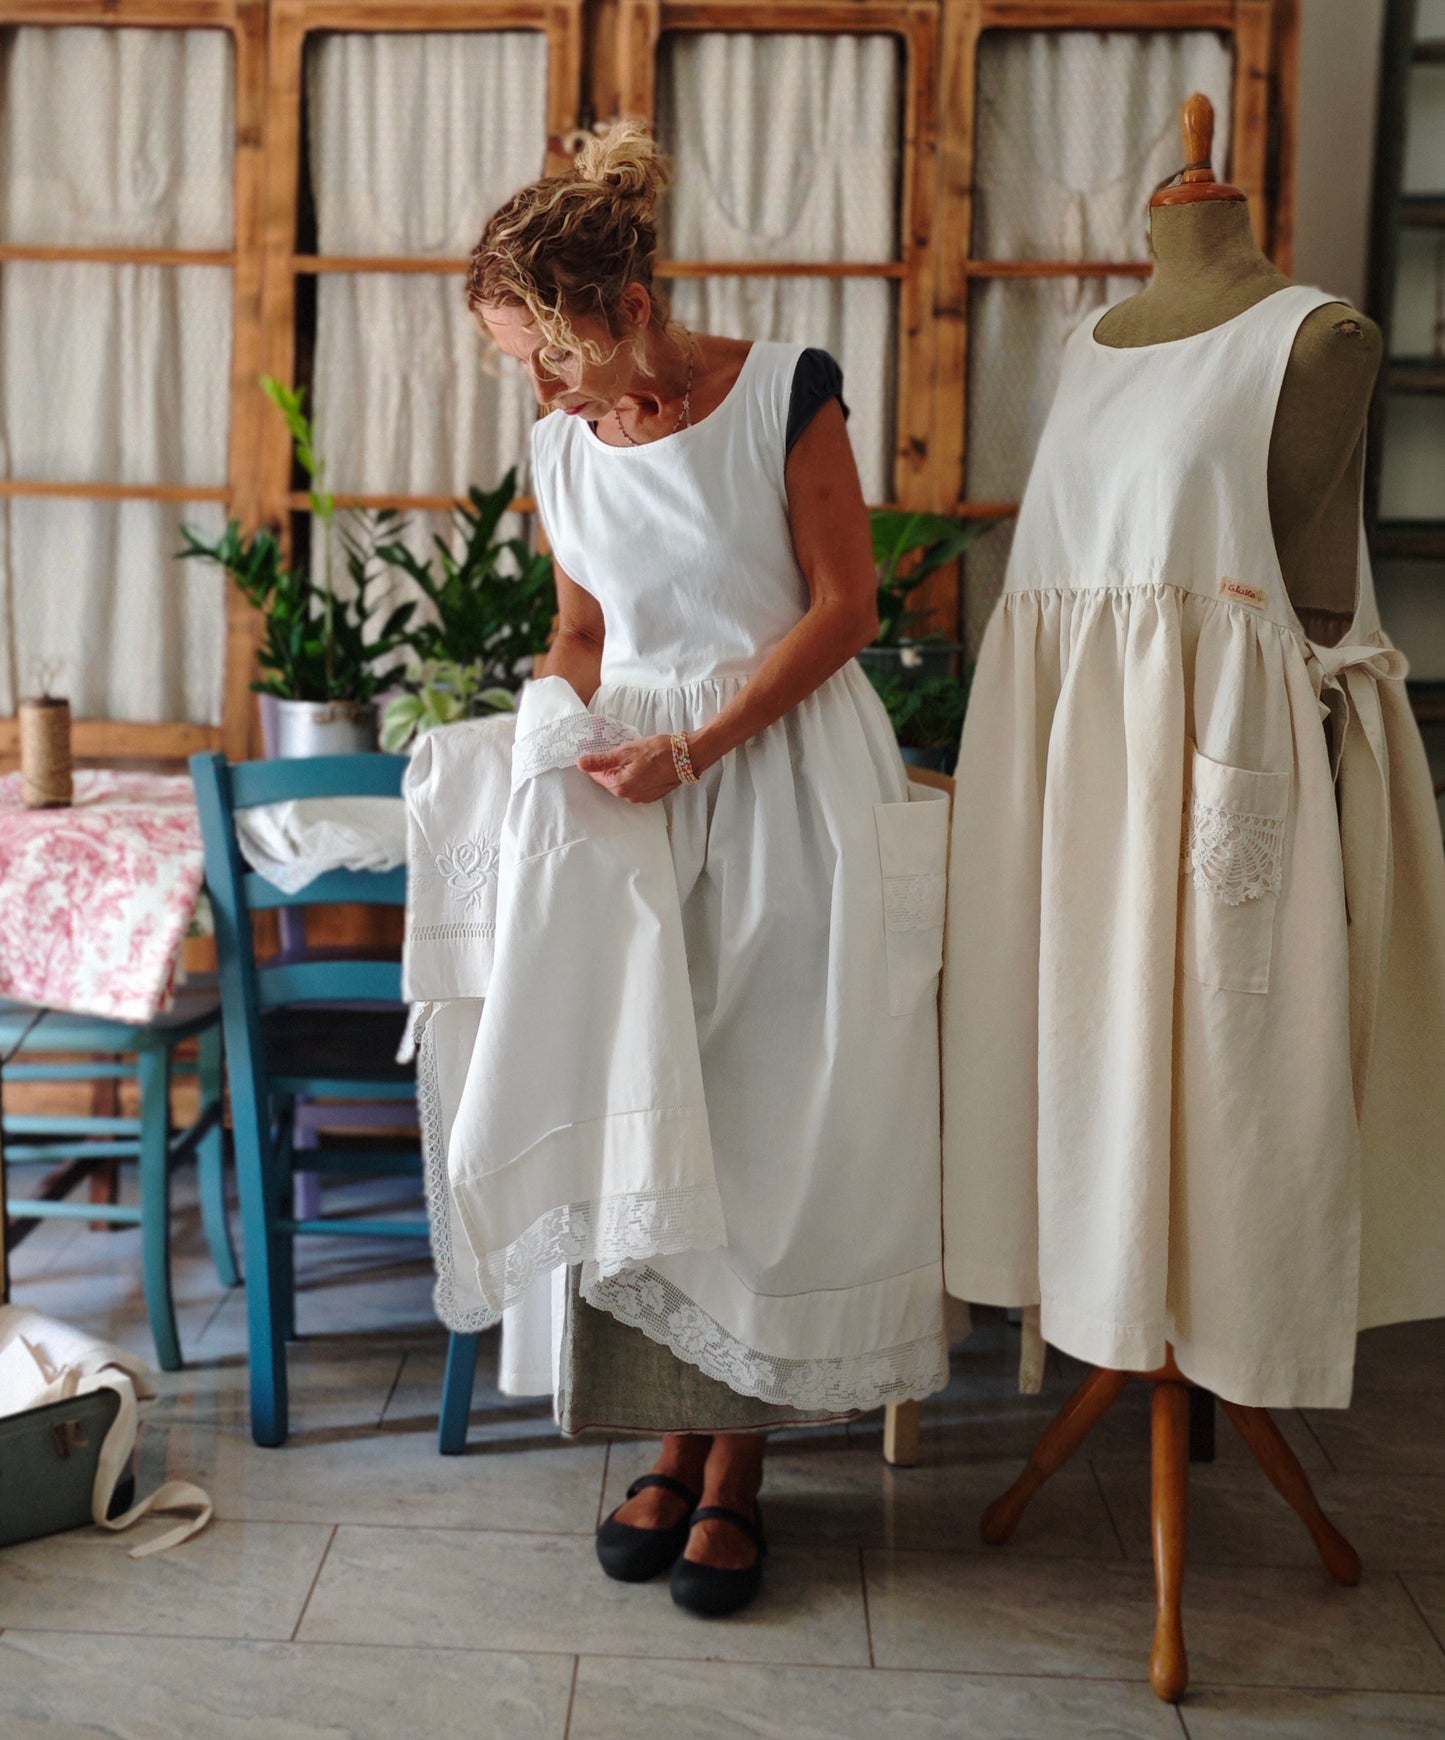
[{"x": 96, "y": 900}]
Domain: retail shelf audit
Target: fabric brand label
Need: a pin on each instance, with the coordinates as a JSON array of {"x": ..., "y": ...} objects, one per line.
[{"x": 1241, "y": 592}]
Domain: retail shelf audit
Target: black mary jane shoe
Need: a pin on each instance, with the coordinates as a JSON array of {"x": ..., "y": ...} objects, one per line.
[
  {"x": 714, "y": 1591},
  {"x": 632, "y": 1555}
]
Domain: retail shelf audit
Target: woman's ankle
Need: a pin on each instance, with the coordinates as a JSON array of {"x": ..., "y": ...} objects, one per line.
[
  {"x": 733, "y": 1475},
  {"x": 684, "y": 1456}
]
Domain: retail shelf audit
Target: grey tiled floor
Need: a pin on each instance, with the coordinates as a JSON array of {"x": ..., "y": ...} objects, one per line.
[{"x": 357, "y": 1586}]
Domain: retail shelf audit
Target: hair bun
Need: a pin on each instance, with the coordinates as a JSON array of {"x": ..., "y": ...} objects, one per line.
[{"x": 626, "y": 160}]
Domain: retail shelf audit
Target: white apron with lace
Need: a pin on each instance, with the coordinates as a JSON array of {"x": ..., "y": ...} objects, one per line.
[
  {"x": 1191, "y": 958},
  {"x": 809, "y": 878},
  {"x": 564, "y": 1111}
]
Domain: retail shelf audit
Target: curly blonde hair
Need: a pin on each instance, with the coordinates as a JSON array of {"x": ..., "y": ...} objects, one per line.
[{"x": 571, "y": 244}]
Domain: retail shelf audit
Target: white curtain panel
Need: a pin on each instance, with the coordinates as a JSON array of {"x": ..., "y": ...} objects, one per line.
[
  {"x": 114, "y": 373},
  {"x": 1075, "y": 129},
  {"x": 788, "y": 147},
  {"x": 415, "y": 141}
]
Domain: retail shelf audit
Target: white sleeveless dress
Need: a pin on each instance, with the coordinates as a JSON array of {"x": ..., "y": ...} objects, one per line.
[
  {"x": 811, "y": 885},
  {"x": 1183, "y": 958}
]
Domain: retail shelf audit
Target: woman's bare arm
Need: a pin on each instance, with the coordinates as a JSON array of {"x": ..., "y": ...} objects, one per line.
[
  {"x": 834, "y": 545},
  {"x": 576, "y": 649}
]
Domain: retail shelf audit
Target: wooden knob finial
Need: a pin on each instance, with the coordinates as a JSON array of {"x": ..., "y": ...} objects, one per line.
[{"x": 1196, "y": 180}]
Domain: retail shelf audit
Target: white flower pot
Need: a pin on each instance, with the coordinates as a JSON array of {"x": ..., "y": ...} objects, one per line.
[{"x": 306, "y": 728}]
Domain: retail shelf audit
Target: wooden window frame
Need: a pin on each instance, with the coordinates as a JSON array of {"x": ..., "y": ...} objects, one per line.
[
  {"x": 245, "y": 20},
  {"x": 292, "y": 23},
  {"x": 1264, "y": 34},
  {"x": 639, "y": 28},
  {"x": 602, "y": 58}
]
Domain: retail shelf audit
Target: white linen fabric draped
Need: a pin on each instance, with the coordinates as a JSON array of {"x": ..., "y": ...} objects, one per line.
[
  {"x": 572, "y": 1128},
  {"x": 1075, "y": 129},
  {"x": 415, "y": 140},
  {"x": 114, "y": 373},
  {"x": 787, "y": 147}
]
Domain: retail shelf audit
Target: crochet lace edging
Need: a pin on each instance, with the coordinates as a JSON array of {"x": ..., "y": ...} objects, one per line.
[
  {"x": 609, "y": 1234},
  {"x": 559, "y": 742},
  {"x": 1233, "y": 856},
  {"x": 613, "y": 1240},
  {"x": 852, "y": 1383},
  {"x": 434, "y": 1175}
]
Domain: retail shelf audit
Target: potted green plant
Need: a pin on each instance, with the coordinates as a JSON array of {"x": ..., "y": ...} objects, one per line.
[
  {"x": 927, "y": 715},
  {"x": 488, "y": 603},
  {"x": 323, "y": 657},
  {"x": 908, "y": 548}
]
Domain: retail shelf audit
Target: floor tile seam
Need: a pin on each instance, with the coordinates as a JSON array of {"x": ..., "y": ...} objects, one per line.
[
  {"x": 954, "y": 1672},
  {"x": 395, "y": 1383},
  {"x": 221, "y": 1301},
  {"x": 592, "y": 1655},
  {"x": 602, "y": 1495},
  {"x": 1007, "y": 1554},
  {"x": 616, "y": 1654},
  {"x": 1133, "y": 1562},
  {"x": 1402, "y": 1578},
  {"x": 1324, "y": 1449},
  {"x": 1324, "y": 1691},
  {"x": 1227, "y": 1477},
  {"x": 311, "y": 1588},
  {"x": 306, "y": 1643},
  {"x": 61, "y": 1245},
  {"x": 867, "y": 1615},
  {"x": 1108, "y": 1508},
  {"x": 1195, "y": 1684},
  {"x": 298, "y": 1522},
  {"x": 571, "y": 1698}
]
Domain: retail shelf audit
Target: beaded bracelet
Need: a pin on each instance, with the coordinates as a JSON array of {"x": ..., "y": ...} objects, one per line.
[{"x": 682, "y": 758}]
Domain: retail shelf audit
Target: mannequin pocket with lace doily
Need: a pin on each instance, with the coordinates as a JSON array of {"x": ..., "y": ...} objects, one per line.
[{"x": 1235, "y": 822}]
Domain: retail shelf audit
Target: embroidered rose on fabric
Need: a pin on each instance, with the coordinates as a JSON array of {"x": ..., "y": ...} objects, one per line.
[{"x": 467, "y": 866}]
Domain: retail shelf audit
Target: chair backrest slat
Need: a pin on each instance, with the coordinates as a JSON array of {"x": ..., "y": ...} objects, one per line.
[
  {"x": 328, "y": 981},
  {"x": 270, "y": 782},
  {"x": 333, "y": 888}
]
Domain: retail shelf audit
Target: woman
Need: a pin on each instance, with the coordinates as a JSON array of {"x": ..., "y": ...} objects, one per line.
[{"x": 715, "y": 579}]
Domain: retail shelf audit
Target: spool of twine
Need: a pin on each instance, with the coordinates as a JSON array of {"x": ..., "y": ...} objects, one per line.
[{"x": 45, "y": 765}]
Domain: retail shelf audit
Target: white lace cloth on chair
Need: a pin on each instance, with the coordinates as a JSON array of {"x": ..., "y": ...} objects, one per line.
[{"x": 293, "y": 843}]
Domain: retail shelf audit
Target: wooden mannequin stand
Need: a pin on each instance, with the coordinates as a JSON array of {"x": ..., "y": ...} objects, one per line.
[{"x": 1168, "y": 1661}]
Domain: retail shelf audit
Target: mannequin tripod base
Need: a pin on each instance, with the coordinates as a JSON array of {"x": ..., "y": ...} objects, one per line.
[{"x": 1168, "y": 1660}]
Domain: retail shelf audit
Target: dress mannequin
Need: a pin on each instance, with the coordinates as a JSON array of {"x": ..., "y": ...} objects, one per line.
[{"x": 1208, "y": 270}]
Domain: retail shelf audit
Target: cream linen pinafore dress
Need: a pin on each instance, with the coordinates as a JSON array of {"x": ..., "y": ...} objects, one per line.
[
  {"x": 811, "y": 887},
  {"x": 1187, "y": 962}
]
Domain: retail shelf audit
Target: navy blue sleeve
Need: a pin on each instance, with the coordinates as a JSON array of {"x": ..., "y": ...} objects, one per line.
[{"x": 816, "y": 379}]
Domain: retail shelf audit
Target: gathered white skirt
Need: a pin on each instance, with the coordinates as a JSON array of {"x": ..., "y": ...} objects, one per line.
[{"x": 811, "y": 877}]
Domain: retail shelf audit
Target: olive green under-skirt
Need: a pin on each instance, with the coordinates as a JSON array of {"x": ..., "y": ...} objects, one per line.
[{"x": 613, "y": 1378}]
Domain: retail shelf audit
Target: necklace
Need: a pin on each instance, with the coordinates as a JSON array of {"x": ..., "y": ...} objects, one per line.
[{"x": 684, "y": 416}]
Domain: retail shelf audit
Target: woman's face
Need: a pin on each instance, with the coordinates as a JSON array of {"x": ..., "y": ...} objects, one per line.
[{"x": 561, "y": 378}]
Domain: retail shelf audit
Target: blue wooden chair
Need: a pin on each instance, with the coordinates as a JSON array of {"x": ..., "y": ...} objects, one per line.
[
  {"x": 45, "y": 1044},
  {"x": 324, "y": 1025}
]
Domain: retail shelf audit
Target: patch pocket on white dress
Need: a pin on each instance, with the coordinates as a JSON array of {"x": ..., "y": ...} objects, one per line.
[
  {"x": 913, "y": 858},
  {"x": 1233, "y": 865}
]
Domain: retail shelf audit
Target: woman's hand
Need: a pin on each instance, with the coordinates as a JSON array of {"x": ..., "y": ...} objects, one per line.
[{"x": 640, "y": 771}]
